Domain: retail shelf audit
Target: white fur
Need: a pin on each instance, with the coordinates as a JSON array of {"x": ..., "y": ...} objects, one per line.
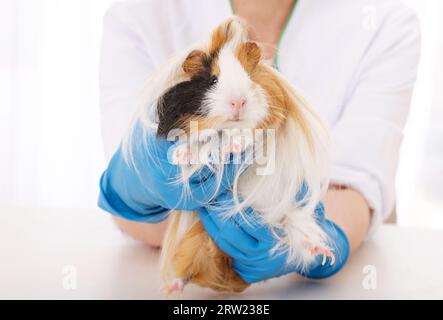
[
  {"x": 234, "y": 83},
  {"x": 273, "y": 195}
]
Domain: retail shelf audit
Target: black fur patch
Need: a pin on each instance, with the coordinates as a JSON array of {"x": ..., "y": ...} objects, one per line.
[{"x": 183, "y": 100}]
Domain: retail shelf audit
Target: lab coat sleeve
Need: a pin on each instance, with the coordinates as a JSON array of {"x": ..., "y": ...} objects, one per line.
[
  {"x": 125, "y": 64},
  {"x": 368, "y": 134}
]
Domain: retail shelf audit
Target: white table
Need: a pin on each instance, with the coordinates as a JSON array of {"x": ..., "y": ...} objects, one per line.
[{"x": 80, "y": 254}]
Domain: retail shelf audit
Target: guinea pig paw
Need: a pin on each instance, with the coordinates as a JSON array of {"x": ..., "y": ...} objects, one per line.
[
  {"x": 317, "y": 250},
  {"x": 182, "y": 156},
  {"x": 176, "y": 286},
  {"x": 232, "y": 148},
  {"x": 236, "y": 145}
]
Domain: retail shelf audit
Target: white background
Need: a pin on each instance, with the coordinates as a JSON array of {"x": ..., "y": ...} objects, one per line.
[{"x": 50, "y": 143}]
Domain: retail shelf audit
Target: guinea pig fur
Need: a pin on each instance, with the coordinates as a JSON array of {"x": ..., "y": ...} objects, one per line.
[{"x": 225, "y": 85}]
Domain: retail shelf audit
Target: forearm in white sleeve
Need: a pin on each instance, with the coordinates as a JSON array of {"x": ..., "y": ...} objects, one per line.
[
  {"x": 125, "y": 65},
  {"x": 368, "y": 134}
]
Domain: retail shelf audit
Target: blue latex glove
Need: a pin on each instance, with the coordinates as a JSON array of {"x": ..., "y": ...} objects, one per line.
[
  {"x": 249, "y": 243},
  {"x": 147, "y": 190}
]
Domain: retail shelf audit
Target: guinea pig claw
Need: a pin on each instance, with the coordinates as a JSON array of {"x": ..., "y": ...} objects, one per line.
[
  {"x": 332, "y": 260},
  {"x": 323, "y": 262},
  {"x": 236, "y": 146},
  {"x": 233, "y": 148},
  {"x": 177, "y": 285},
  {"x": 325, "y": 252},
  {"x": 182, "y": 156}
]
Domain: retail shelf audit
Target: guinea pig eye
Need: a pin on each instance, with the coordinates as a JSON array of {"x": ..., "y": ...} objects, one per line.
[{"x": 213, "y": 80}]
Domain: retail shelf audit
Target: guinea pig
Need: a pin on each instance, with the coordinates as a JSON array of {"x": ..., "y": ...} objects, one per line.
[{"x": 224, "y": 85}]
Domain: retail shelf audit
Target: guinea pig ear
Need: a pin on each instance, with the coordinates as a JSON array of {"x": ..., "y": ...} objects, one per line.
[
  {"x": 194, "y": 63},
  {"x": 249, "y": 54}
]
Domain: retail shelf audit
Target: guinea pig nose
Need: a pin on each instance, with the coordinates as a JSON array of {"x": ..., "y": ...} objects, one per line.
[{"x": 238, "y": 104}]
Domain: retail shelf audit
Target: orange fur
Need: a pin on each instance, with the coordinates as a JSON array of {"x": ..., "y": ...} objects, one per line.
[
  {"x": 223, "y": 34},
  {"x": 193, "y": 64},
  {"x": 249, "y": 54},
  {"x": 281, "y": 101},
  {"x": 215, "y": 68},
  {"x": 197, "y": 256}
]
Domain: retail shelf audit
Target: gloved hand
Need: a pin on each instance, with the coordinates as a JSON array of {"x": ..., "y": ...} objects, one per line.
[
  {"x": 250, "y": 243},
  {"x": 147, "y": 189}
]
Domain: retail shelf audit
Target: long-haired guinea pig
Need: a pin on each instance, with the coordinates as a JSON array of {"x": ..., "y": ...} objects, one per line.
[{"x": 220, "y": 86}]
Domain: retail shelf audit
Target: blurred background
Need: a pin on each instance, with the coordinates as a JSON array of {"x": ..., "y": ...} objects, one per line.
[{"x": 50, "y": 142}]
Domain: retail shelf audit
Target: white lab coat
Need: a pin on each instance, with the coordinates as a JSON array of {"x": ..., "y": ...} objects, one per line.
[{"x": 354, "y": 60}]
